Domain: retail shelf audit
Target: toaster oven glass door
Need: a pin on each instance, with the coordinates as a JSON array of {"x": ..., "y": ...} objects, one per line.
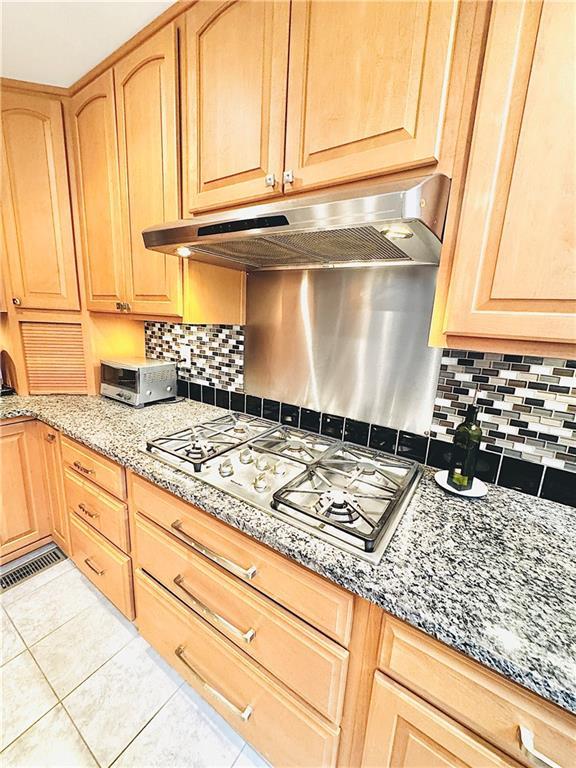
[{"x": 120, "y": 377}]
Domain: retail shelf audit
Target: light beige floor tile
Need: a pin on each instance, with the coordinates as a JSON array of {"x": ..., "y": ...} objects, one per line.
[
  {"x": 52, "y": 742},
  {"x": 26, "y": 696},
  {"x": 30, "y": 585},
  {"x": 11, "y": 644},
  {"x": 249, "y": 758},
  {"x": 183, "y": 734},
  {"x": 117, "y": 701},
  {"x": 37, "y": 614},
  {"x": 72, "y": 652}
]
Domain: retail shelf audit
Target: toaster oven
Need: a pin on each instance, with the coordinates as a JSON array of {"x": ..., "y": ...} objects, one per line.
[{"x": 138, "y": 381}]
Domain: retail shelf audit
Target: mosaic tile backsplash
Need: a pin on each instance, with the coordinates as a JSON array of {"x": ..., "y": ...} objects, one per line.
[
  {"x": 527, "y": 404},
  {"x": 207, "y": 354}
]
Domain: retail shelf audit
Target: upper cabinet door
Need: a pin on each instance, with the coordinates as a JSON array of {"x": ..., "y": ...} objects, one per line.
[
  {"x": 146, "y": 102},
  {"x": 93, "y": 120},
  {"x": 367, "y": 87},
  {"x": 514, "y": 272},
  {"x": 235, "y": 104},
  {"x": 36, "y": 203}
]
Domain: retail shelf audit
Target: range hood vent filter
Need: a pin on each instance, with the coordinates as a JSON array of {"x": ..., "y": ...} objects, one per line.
[{"x": 361, "y": 244}]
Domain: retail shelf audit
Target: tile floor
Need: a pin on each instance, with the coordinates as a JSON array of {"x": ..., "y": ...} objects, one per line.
[{"x": 80, "y": 688}]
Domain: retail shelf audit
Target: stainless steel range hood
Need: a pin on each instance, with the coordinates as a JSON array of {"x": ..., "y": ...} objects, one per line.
[{"x": 360, "y": 225}]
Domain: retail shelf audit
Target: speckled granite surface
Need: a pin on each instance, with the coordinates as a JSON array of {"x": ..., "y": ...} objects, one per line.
[{"x": 494, "y": 578}]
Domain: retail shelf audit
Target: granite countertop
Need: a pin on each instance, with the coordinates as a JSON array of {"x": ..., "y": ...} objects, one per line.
[{"x": 494, "y": 578}]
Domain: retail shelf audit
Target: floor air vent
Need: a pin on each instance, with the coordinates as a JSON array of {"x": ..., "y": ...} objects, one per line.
[{"x": 29, "y": 565}]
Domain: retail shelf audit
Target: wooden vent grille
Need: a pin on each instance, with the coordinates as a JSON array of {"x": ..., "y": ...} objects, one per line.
[{"x": 54, "y": 354}]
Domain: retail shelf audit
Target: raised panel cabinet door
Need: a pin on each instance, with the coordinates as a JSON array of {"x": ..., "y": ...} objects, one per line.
[
  {"x": 514, "y": 271},
  {"x": 93, "y": 120},
  {"x": 146, "y": 103},
  {"x": 50, "y": 442},
  {"x": 405, "y": 732},
  {"x": 367, "y": 87},
  {"x": 36, "y": 203},
  {"x": 235, "y": 104},
  {"x": 24, "y": 519}
]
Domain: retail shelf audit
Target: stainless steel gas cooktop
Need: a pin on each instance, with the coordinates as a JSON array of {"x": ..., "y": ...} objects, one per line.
[{"x": 346, "y": 494}]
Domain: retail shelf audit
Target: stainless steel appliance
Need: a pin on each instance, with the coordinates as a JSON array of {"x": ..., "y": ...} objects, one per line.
[
  {"x": 138, "y": 381},
  {"x": 364, "y": 224},
  {"x": 346, "y": 494}
]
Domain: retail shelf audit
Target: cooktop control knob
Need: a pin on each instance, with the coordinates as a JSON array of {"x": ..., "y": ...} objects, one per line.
[
  {"x": 262, "y": 462},
  {"x": 246, "y": 456},
  {"x": 226, "y": 469},
  {"x": 279, "y": 469},
  {"x": 260, "y": 483}
]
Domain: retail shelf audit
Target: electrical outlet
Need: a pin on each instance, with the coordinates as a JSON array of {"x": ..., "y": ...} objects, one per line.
[{"x": 185, "y": 354}]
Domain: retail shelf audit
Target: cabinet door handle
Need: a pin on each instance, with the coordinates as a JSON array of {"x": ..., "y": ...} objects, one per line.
[
  {"x": 94, "y": 568},
  {"x": 246, "y": 637},
  {"x": 288, "y": 177},
  {"x": 526, "y": 738},
  {"x": 270, "y": 180},
  {"x": 82, "y": 507},
  {"x": 119, "y": 306},
  {"x": 229, "y": 565},
  {"x": 50, "y": 438},
  {"x": 243, "y": 714},
  {"x": 16, "y": 301},
  {"x": 83, "y": 469}
]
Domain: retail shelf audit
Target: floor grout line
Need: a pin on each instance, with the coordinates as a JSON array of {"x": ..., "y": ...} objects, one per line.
[
  {"x": 16, "y": 738},
  {"x": 28, "y": 581}
]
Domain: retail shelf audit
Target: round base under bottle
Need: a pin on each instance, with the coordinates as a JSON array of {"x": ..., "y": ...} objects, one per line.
[{"x": 478, "y": 489}]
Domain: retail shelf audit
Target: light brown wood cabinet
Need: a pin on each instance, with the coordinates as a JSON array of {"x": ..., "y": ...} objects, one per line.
[
  {"x": 146, "y": 102},
  {"x": 236, "y": 62},
  {"x": 514, "y": 269},
  {"x": 92, "y": 116},
  {"x": 367, "y": 88},
  {"x": 406, "y": 732},
  {"x": 368, "y": 91},
  {"x": 50, "y": 442},
  {"x": 36, "y": 213},
  {"x": 25, "y": 521}
]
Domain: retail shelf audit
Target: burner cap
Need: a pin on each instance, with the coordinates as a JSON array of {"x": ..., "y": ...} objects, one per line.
[
  {"x": 199, "y": 449},
  {"x": 339, "y": 505}
]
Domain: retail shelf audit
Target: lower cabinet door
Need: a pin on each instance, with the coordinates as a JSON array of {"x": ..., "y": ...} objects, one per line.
[
  {"x": 24, "y": 520},
  {"x": 283, "y": 729},
  {"x": 105, "y": 565},
  {"x": 405, "y": 732},
  {"x": 50, "y": 440}
]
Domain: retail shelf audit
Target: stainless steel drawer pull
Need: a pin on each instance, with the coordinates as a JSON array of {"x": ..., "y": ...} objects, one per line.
[
  {"x": 82, "y": 468},
  {"x": 527, "y": 745},
  {"x": 94, "y": 568},
  {"x": 243, "y": 714},
  {"x": 246, "y": 637},
  {"x": 86, "y": 511},
  {"x": 237, "y": 570}
]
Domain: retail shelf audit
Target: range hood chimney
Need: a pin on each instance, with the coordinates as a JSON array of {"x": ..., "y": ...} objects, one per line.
[{"x": 360, "y": 225}]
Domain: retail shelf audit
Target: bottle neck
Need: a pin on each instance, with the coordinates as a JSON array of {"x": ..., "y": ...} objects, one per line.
[{"x": 471, "y": 415}]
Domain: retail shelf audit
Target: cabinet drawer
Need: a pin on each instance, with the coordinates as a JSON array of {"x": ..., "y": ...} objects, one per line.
[
  {"x": 95, "y": 467},
  {"x": 311, "y": 597},
  {"x": 97, "y": 508},
  {"x": 107, "y": 568},
  {"x": 310, "y": 664},
  {"x": 284, "y": 730},
  {"x": 405, "y": 732},
  {"x": 477, "y": 697}
]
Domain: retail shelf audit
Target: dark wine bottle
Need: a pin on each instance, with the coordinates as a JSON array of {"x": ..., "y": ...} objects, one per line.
[{"x": 465, "y": 451}]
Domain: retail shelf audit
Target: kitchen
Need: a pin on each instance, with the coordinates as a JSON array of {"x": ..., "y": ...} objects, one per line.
[{"x": 280, "y": 282}]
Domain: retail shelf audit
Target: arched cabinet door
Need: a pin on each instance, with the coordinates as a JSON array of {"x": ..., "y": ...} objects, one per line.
[
  {"x": 93, "y": 123},
  {"x": 368, "y": 87},
  {"x": 234, "y": 102},
  {"x": 36, "y": 203},
  {"x": 146, "y": 101}
]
